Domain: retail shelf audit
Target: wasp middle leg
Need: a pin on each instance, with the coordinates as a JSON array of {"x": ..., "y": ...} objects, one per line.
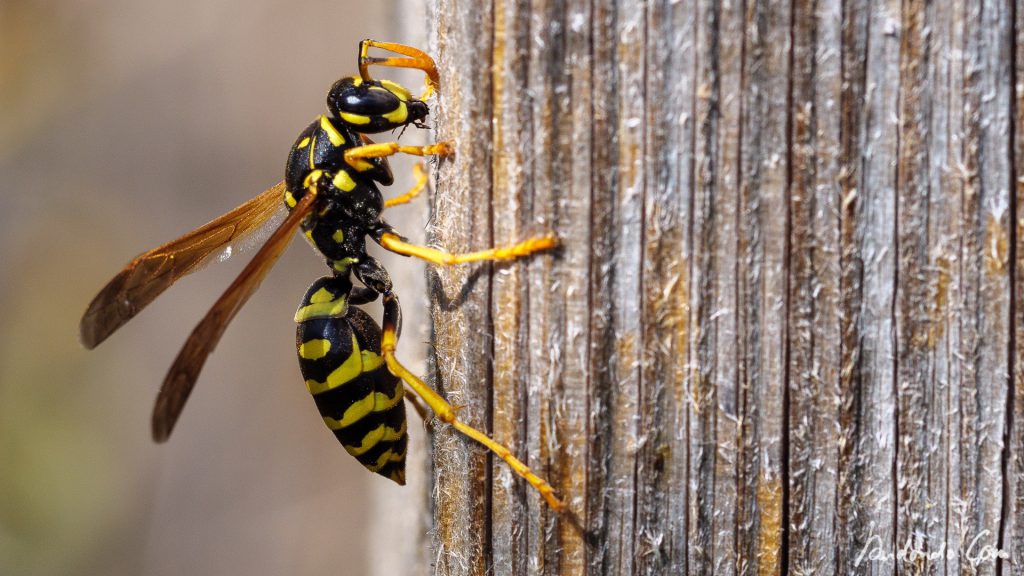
[
  {"x": 393, "y": 242},
  {"x": 420, "y": 174}
]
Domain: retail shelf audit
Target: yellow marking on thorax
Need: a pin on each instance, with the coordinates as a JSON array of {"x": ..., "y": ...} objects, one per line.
[
  {"x": 303, "y": 143},
  {"x": 343, "y": 181},
  {"x": 343, "y": 264},
  {"x": 312, "y": 147},
  {"x": 357, "y": 81},
  {"x": 338, "y": 236},
  {"x": 332, "y": 133},
  {"x": 312, "y": 178},
  {"x": 314, "y": 349},
  {"x": 290, "y": 200},
  {"x": 373, "y": 402},
  {"x": 355, "y": 118},
  {"x": 399, "y": 115}
]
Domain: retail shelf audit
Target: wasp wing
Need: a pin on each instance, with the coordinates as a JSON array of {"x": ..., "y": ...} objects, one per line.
[
  {"x": 149, "y": 274},
  {"x": 185, "y": 370}
]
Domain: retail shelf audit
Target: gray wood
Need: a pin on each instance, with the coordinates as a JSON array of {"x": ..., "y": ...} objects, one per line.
[
  {"x": 1012, "y": 536},
  {"x": 777, "y": 337},
  {"x": 816, "y": 319}
]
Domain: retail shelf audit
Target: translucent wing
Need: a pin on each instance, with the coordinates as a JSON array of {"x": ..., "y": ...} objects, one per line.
[
  {"x": 149, "y": 274},
  {"x": 185, "y": 370}
]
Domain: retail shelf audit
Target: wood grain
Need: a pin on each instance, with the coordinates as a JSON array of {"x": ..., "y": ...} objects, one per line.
[
  {"x": 780, "y": 334},
  {"x": 816, "y": 327}
]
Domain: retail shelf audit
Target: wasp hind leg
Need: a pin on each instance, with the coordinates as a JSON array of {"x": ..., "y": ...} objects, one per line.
[
  {"x": 446, "y": 413},
  {"x": 418, "y": 406}
]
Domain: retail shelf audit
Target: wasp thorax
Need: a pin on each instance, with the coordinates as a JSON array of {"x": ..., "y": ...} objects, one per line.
[{"x": 374, "y": 105}]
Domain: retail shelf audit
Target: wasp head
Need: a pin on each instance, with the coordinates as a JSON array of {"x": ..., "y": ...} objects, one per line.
[{"x": 371, "y": 106}]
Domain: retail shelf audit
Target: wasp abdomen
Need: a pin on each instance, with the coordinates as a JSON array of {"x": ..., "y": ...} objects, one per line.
[{"x": 358, "y": 398}]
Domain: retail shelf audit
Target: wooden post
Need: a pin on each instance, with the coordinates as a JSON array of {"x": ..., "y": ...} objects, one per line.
[{"x": 781, "y": 334}]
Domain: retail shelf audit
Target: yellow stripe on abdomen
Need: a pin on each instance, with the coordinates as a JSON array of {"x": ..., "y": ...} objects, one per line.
[
  {"x": 373, "y": 402},
  {"x": 314, "y": 349},
  {"x": 349, "y": 369},
  {"x": 379, "y": 434},
  {"x": 386, "y": 457}
]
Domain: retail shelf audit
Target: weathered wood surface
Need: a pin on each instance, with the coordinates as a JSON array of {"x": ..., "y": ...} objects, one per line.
[{"x": 780, "y": 335}]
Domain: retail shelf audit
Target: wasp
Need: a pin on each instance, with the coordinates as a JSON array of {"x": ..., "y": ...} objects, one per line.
[{"x": 331, "y": 192}]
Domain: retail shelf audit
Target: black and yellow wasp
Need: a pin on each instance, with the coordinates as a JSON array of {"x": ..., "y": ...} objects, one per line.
[{"x": 330, "y": 191}]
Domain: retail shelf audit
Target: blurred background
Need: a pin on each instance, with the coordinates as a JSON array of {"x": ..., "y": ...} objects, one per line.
[{"x": 124, "y": 124}]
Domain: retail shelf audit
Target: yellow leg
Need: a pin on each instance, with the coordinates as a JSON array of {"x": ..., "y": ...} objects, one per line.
[
  {"x": 418, "y": 60},
  {"x": 395, "y": 244},
  {"x": 421, "y": 183},
  {"x": 446, "y": 413},
  {"x": 357, "y": 157}
]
